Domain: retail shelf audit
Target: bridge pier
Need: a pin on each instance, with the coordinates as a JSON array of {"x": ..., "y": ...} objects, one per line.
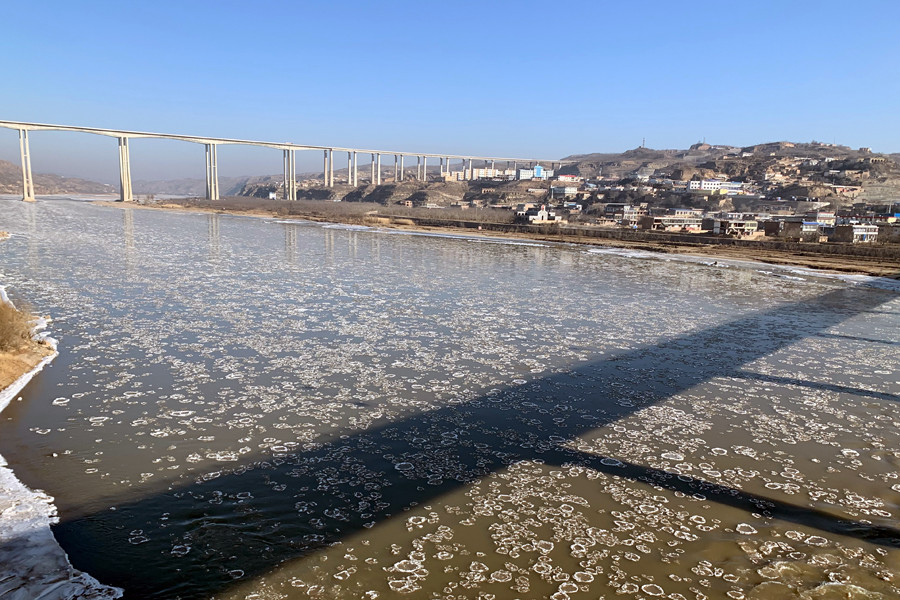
[
  {"x": 378, "y": 170},
  {"x": 471, "y": 175},
  {"x": 425, "y": 169},
  {"x": 355, "y": 170},
  {"x": 212, "y": 173},
  {"x": 290, "y": 175},
  {"x": 27, "y": 179},
  {"x": 401, "y": 167},
  {"x": 331, "y": 168},
  {"x": 419, "y": 168},
  {"x": 396, "y": 171},
  {"x": 125, "y": 192},
  {"x": 325, "y": 170},
  {"x": 293, "y": 174}
]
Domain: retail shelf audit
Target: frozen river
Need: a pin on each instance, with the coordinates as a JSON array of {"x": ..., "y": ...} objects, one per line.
[{"x": 245, "y": 408}]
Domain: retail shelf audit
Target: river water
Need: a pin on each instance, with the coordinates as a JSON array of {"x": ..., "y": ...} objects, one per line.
[{"x": 247, "y": 408}]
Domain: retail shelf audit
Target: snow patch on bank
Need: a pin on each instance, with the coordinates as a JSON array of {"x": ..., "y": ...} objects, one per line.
[
  {"x": 34, "y": 566},
  {"x": 783, "y": 271}
]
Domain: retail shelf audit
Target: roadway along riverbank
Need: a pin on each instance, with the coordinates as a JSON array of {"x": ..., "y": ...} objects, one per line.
[{"x": 883, "y": 261}]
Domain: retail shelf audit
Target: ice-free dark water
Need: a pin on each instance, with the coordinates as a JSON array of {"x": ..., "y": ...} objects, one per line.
[{"x": 244, "y": 408}]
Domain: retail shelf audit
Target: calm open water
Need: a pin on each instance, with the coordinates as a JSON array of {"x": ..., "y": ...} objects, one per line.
[{"x": 244, "y": 408}]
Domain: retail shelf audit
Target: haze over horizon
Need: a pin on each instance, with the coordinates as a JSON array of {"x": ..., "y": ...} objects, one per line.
[{"x": 516, "y": 79}]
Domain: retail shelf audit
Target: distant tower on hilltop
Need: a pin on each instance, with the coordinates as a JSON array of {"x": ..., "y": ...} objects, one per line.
[{"x": 643, "y": 142}]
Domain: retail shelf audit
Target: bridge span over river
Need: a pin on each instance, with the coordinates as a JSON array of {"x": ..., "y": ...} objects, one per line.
[{"x": 289, "y": 158}]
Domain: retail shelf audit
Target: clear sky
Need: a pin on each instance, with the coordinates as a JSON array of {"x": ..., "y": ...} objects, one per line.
[{"x": 519, "y": 78}]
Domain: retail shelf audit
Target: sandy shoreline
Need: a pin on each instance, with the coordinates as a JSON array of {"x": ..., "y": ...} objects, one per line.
[{"x": 836, "y": 264}]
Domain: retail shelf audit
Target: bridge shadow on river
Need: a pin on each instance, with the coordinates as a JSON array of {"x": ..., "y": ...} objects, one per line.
[{"x": 341, "y": 487}]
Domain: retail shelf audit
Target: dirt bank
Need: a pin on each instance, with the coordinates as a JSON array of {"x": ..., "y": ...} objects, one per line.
[
  {"x": 20, "y": 349},
  {"x": 14, "y": 365}
]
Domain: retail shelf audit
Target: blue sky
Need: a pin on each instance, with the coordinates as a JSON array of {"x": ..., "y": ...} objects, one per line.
[{"x": 492, "y": 78}]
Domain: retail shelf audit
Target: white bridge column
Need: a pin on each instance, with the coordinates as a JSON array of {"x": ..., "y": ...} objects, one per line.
[
  {"x": 372, "y": 170},
  {"x": 125, "y": 191},
  {"x": 331, "y": 168},
  {"x": 212, "y": 173},
  {"x": 401, "y": 167},
  {"x": 396, "y": 171},
  {"x": 349, "y": 168},
  {"x": 325, "y": 170},
  {"x": 27, "y": 179},
  {"x": 425, "y": 169},
  {"x": 355, "y": 170},
  {"x": 419, "y": 168},
  {"x": 284, "y": 180},
  {"x": 293, "y": 178},
  {"x": 378, "y": 171},
  {"x": 290, "y": 175},
  {"x": 293, "y": 174}
]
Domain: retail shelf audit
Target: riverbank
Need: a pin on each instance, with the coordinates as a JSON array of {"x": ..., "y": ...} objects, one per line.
[
  {"x": 34, "y": 566},
  {"x": 876, "y": 266},
  {"x": 22, "y": 349}
]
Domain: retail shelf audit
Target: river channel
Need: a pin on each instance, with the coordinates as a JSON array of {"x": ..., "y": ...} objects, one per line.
[{"x": 254, "y": 409}]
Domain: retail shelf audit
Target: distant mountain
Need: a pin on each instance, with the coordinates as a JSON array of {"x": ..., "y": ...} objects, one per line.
[
  {"x": 228, "y": 186},
  {"x": 44, "y": 183}
]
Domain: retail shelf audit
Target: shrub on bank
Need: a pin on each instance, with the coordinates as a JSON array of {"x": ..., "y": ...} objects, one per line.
[{"x": 15, "y": 328}]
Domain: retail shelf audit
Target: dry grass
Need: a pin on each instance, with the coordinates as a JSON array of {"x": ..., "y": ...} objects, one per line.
[{"x": 15, "y": 328}]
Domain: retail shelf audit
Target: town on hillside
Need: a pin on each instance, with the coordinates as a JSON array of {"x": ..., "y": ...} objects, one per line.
[{"x": 810, "y": 192}]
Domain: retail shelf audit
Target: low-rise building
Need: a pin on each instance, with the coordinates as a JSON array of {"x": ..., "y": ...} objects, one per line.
[
  {"x": 670, "y": 223},
  {"x": 855, "y": 233},
  {"x": 521, "y": 208},
  {"x": 822, "y": 218},
  {"x": 783, "y": 228},
  {"x": 480, "y": 173},
  {"x": 628, "y": 214},
  {"x": 715, "y": 185},
  {"x": 536, "y": 172},
  {"x": 726, "y": 227},
  {"x": 569, "y": 178},
  {"x": 685, "y": 212},
  {"x": 563, "y": 191},
  {"x": 541, "y": 215}
]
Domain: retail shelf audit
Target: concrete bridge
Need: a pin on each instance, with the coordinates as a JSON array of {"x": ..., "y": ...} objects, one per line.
[{"x": 289, "y": 159}]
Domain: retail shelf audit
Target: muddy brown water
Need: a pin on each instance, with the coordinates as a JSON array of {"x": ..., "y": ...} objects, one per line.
[{"x": 244, "y": 408}]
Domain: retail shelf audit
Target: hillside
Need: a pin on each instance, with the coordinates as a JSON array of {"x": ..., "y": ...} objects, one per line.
[
  {"x": 826, "y": 171},
  {"x": 44, "y": 183}
]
